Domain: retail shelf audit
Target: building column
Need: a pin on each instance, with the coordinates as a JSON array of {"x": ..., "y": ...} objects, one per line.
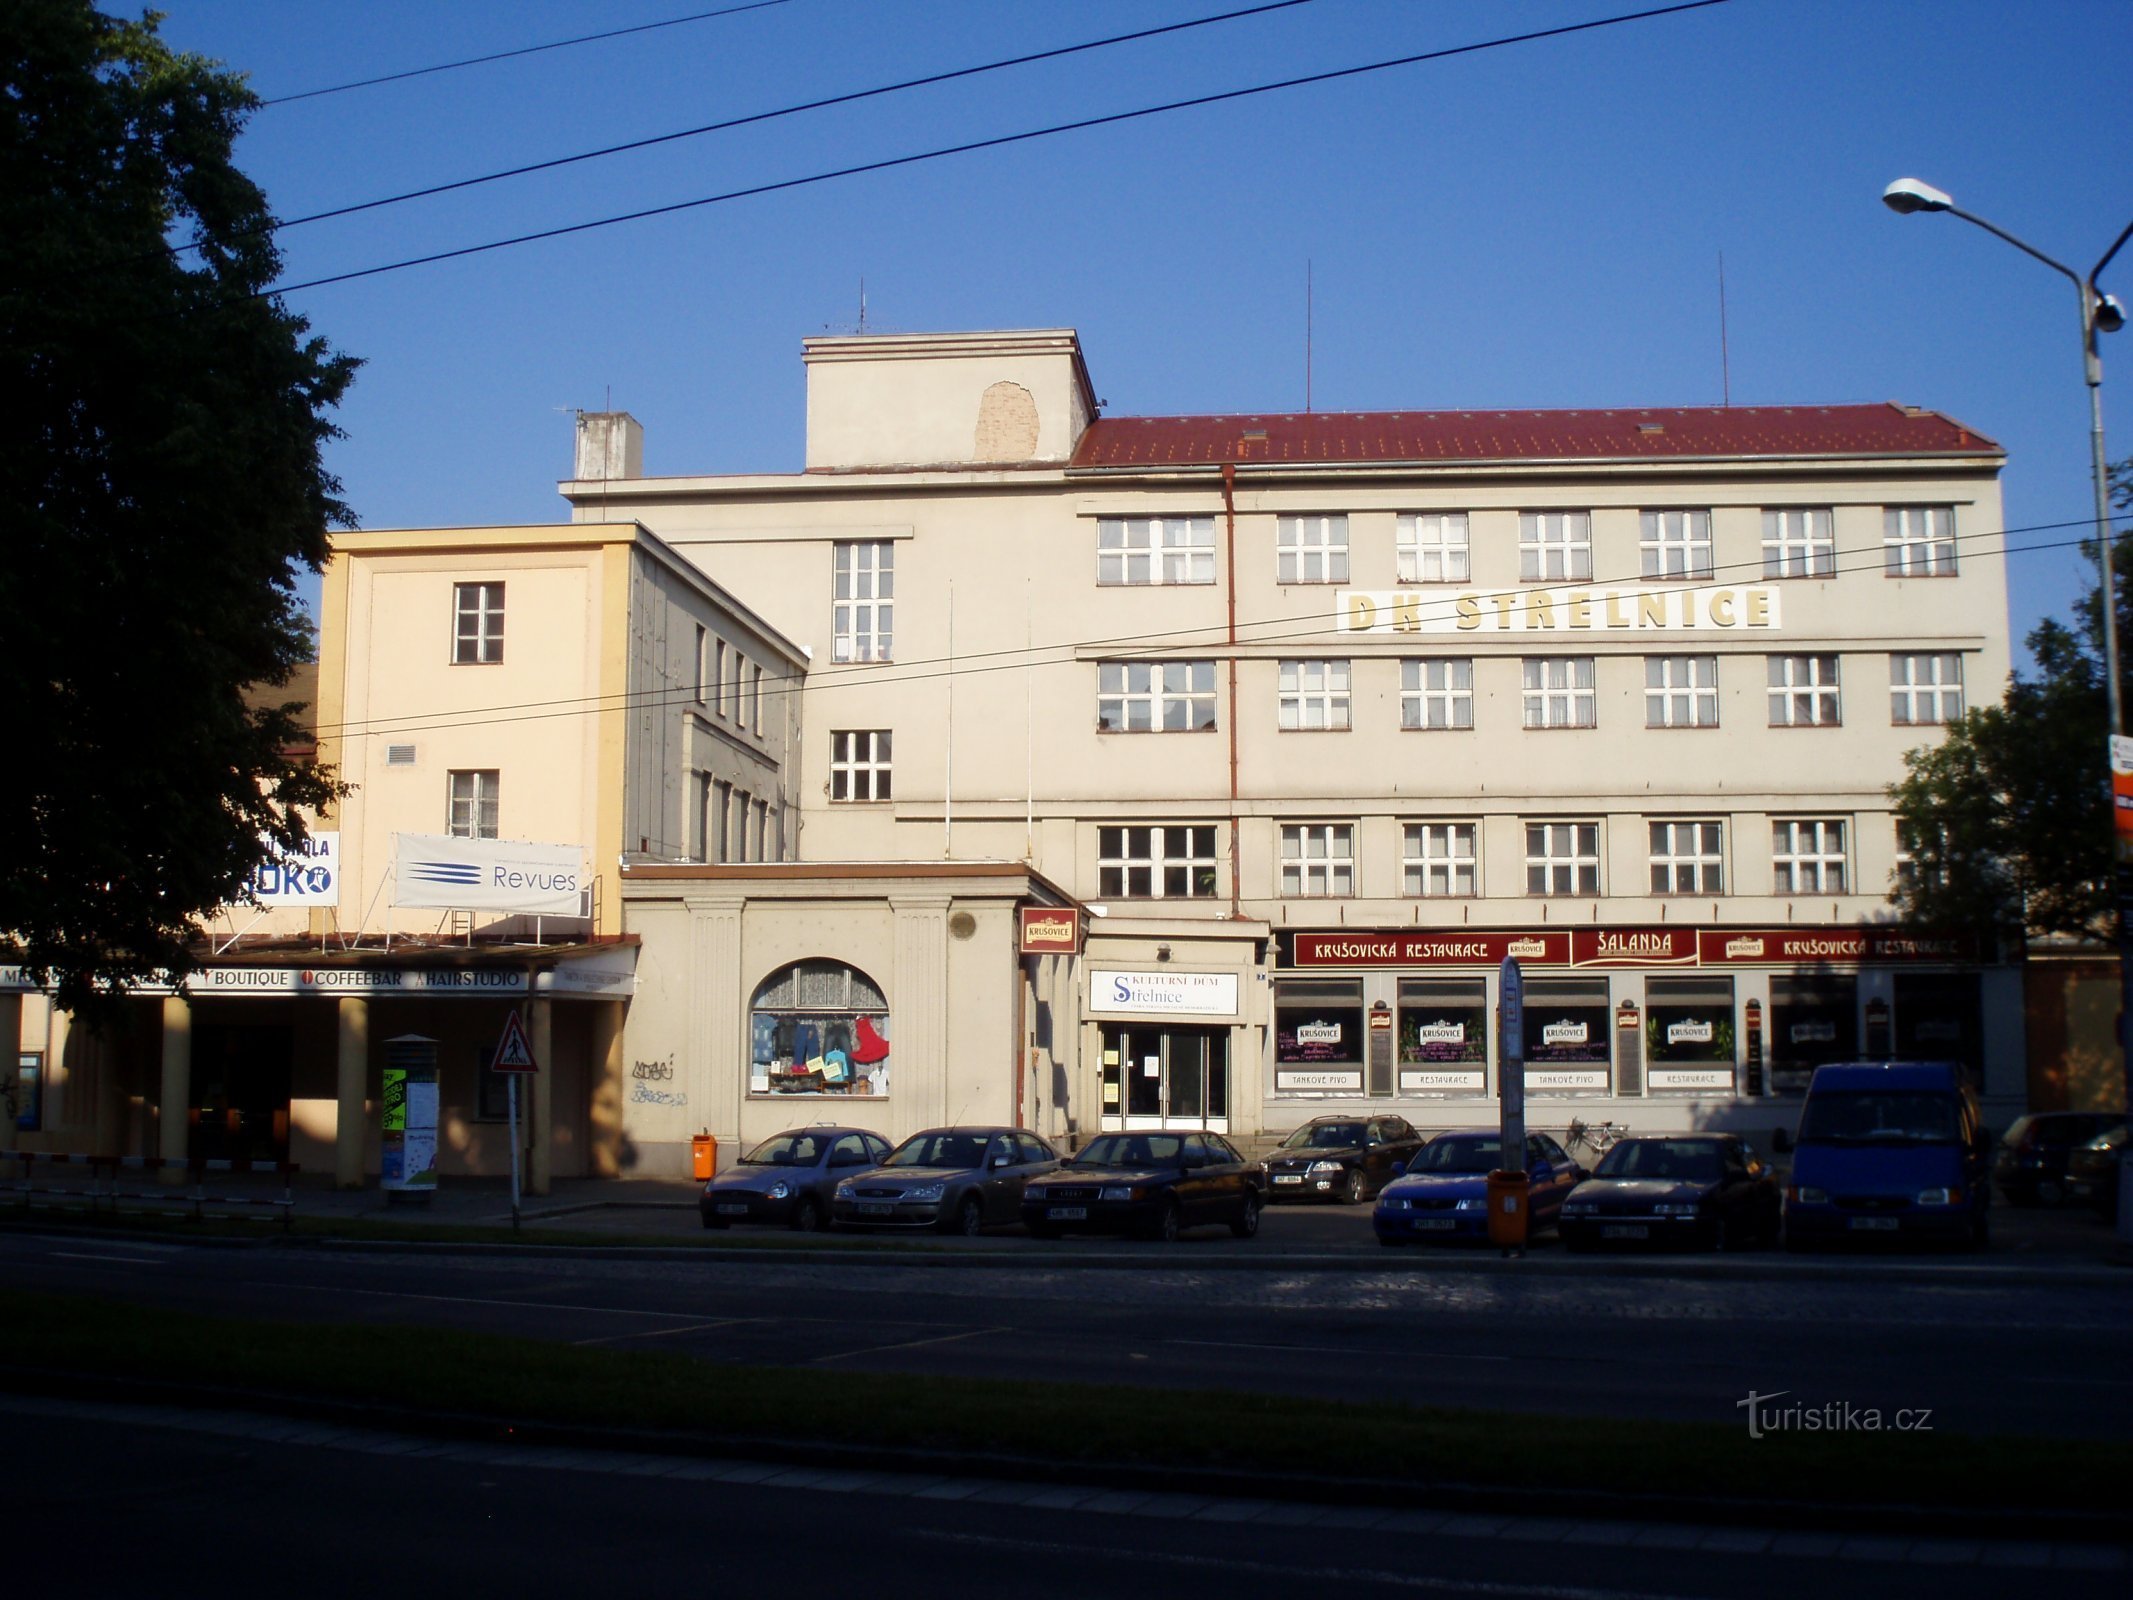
[
  {"x": 351, "y": 1117},
  {"x": 11, "y": 1041},
  {"x": 604, "y": 1122},
  {"x": 540, "y": 1114},
  {"x": 177, "y": 1090}
]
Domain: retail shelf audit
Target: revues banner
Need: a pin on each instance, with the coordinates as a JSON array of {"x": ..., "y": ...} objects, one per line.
[{"x": 488, "y": 875}]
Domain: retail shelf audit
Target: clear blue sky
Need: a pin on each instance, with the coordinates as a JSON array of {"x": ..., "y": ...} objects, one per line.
[{"x": 1537, "y": 225}]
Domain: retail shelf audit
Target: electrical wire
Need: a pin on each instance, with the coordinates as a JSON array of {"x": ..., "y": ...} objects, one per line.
[{"x": 997, "y": 142}]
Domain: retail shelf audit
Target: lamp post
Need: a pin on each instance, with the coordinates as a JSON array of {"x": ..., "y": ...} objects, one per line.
[{"x": 2100, "y": 313}]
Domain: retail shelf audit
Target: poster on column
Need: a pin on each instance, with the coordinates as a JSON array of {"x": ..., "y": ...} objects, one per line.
[{"x": 407, "y": 1154}]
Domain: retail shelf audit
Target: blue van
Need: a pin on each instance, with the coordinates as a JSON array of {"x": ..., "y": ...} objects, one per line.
[{"x": 1889, "y": 1149}]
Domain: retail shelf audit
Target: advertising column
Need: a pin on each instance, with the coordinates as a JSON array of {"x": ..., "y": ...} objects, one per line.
[{"x": 407, "y": 1165}]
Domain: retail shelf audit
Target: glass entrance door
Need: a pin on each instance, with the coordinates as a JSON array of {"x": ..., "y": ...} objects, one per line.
[{"x": 1165, "y": 1078}]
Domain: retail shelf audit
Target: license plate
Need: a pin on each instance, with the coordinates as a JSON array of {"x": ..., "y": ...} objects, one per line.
[
  {"x": 733, "y": 1210},
  {"x": 1068, "y": 1213},
  {"x": 1436, "y": 1224},
  {"x": 877, "y": 1208},
  {"x": 1283, "y": 1178},
  {"x": 1876, "y": 1224},
  {"x": 1625, "y": 1230}
]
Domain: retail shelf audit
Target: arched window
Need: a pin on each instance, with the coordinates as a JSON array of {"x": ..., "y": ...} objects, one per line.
[{"x": 819, "y": 1027}]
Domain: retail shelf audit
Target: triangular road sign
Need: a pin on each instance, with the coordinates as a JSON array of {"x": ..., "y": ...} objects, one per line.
[{"x": 513, "y": 1053}]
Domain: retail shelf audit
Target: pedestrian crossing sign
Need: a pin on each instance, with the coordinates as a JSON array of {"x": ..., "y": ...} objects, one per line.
[{"x": 513, "y": 1053}]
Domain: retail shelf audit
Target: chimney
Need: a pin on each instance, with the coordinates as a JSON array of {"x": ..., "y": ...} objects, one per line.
[{"x": 610, "y": 445}]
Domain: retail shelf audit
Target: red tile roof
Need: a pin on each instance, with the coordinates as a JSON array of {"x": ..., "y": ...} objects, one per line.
[{"x": 1660, "y": 433}]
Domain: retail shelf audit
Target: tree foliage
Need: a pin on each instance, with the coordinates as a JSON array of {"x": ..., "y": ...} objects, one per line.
[
  {"x": 161, "y": 492},
  {"x": 2008, "y": 819}
]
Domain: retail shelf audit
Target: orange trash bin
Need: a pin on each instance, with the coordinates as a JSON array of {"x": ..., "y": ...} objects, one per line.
[
  {"x": 1507, "y": 1209},
  {"x": 703, "y": 1155}
]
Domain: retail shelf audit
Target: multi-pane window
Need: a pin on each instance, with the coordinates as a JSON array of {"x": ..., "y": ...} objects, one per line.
[
  {"x": 718, "y": 677},
  {"x": 1437, "y": 693},
  {"x": 1676, "y": 544},
  {"x": 1926, "y": 687},
  {"x": 703, "y": 661},
  {"x": 1562, "y": 858},
  {"x": 1554, "y": 544},
  {"x": 1175, "y": 862},
  {"x": 477, "y": 623},
  {"x": 1155, "y": 696},
  {"x": 863, "y": 616},
  {"x": 741, "y": 666},
  {"x": 1317, "y": 859},
  {"x": 1311, "y": 549},
  {"x": 1155, "y": 550},
  {"x": 1314, "y": 694},
  {"x": 1918, "y": 541},
  {"x": 700, "y": 821},
  {"x": 755, "y": 698},
  {"x": 1440, "y": 858},
  {"x": 1799, "y": 543},
  {"x": 1431, "y": 547},
  {"x": 1559, "y": 692},
  {"x": 1688, "y": 857},
  {"x": 1681, "y": 691},
  {"x": 859, "y": 764},
  {"x": 721, "y": 818},
  {"x": 1803, "y": 692},
  {"x": 1807, "y": 855},
  {"x": 472, "y": 813}
]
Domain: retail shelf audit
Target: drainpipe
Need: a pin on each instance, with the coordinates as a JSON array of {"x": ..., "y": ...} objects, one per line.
[{"x": 1229, "y": 580}]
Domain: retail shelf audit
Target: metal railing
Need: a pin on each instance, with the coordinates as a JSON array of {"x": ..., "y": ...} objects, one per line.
[{"x": 102, "y": 1176}]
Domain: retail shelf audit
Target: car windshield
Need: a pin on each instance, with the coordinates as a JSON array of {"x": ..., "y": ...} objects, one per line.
[
  {"x": 1457, "y": 1155},
  {"x": 1324, "y": 1136},
  {"x": 786, "y": 1150},
  {"x": 1679, "y": 1160},
  {"x": 942, "y": 1148},
  {"x": 1131, "y": 1150},
  {"x": 1879, "y": 1116}
]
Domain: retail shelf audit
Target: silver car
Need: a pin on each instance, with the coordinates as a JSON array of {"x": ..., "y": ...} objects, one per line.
[{"x": 958, "y": 1180}]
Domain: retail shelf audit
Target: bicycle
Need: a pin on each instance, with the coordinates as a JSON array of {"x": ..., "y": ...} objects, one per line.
[{"x": 1598, "y": 1137}]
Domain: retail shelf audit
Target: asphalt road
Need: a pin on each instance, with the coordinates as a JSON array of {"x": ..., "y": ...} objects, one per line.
[{"x": 1984, "y": 1357}]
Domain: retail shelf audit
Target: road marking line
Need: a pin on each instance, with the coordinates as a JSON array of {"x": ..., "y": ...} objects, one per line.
[
  {"x": 76, "y": 1255},
  {"x": 910, "y": 1344},
  {"x": 462, "y": 1299},
  {"x": 1329, "y": 1350},
  {"x": 668, "y": 1333}
]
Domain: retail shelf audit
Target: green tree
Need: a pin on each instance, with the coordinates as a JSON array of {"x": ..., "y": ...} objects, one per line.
[
  {"x": 161, "y": 492},
  {"x": 2008, "y": 819}
]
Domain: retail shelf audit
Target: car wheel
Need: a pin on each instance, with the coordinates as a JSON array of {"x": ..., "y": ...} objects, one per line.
[
  {"x": 2050, "y": 1192},
  {"x": 1352, "y": 1190},
  {"x": 1168, "y": 1224},
  {"x": 807, "y": 1215},
  {"x": 967, "y": 1219},
  {"x": 1721, "y": 1235},
  {"x": 1247, "y": 1224}
]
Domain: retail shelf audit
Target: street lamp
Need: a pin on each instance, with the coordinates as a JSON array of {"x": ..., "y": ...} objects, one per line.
[{"x": 2100, "y": 313}]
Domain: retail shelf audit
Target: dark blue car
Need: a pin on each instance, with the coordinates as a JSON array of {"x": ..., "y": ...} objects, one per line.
[
  {"x": 1889, "y": 1150},
  {"x": 1444, "y": 1193}
]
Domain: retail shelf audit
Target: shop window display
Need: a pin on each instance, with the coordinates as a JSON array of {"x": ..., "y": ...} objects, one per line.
[{"x": 819, "y": 1027}]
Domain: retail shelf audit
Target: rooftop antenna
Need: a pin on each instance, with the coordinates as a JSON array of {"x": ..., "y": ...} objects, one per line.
[
  {"x": 1725, "y": 365},
  {"x": 1307, "y": 334},
  {"x": 862, "y": 305}
]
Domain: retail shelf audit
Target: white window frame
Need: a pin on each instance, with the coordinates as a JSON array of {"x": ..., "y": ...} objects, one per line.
[
  {"x": 1142, "y": 860},
  {"x": 1437, "y": 693},
  {"x": 1440, "y": 860},
  {"x": 1925, "y": 687},
  {"x": 1135, "y": 551},
  {"x": 1799, "y": 542},
  {"x": 474, "y": 803},
  {"x": 1675, "y": 544},
  {"x": 1311, "y": 549},
  {"x": 1559, "y": 692},
  {"x": 1808, "y": 855},
  {"x": 1681, "y": 691},
  {"x": 1315, "y": 696},
  {"x": 1555, "y": 546},
  {"x": 1562, "y": 859},
  {"x": 718, "y": 677},
  {"x": 1806, "y": 691},
  {"x": 721, "y": 821},
  {"x": 700, "y": 816},
  {"x": 1317, "y": 860},
  {"x": 1155, "y": 696},
  {"x": 863, "y": 600},
  {"x": 477, "y": 624},
  {"x": 755, "y": 698},
  {"x": 860, "y": 759},
  {"x": 703, "y": 661},
  {"x": 740, "y": 690},
  {"x": 1918, "y": 541},
  {"x": 1433, "y": 547},
  {"x": 1688, "y": 855}
]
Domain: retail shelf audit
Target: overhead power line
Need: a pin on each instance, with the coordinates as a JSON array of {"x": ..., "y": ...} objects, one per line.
[
  {"x": 529, "y": 50},
  {"x": 999, "y": 141}
]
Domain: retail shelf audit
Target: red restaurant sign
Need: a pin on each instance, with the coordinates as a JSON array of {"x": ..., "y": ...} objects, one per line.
[{"x": 1630, "y": 947}]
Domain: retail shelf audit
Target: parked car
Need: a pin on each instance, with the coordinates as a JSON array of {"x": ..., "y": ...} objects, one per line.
[
  {"x": 788, "y": 1178},
  {"x": 1444, "y": 1193},
  {"x": 1889, "y": 1150},
  {"x": 2092, "y": 1171},
  {"x": 1153, "y": 1184},
  {"x": 959, "y": 1180},
  {"x": 2031, "y": 1165},
  {"x": 1348, "y": 1159},
  {"x": 1706, "y": 1189}
]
